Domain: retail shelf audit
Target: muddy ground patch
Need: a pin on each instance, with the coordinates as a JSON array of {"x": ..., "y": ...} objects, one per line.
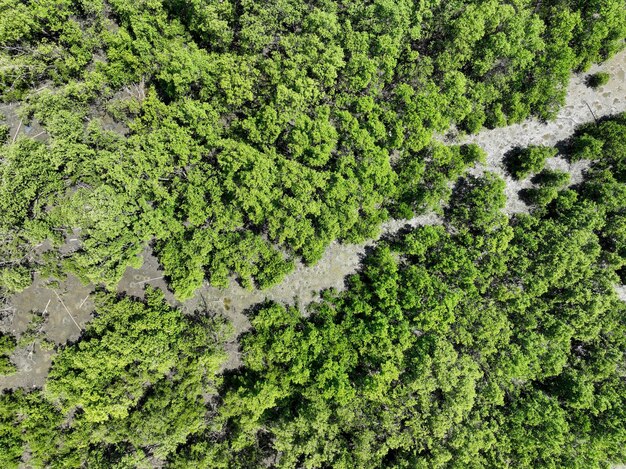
[{"x": 68, "y": 306}]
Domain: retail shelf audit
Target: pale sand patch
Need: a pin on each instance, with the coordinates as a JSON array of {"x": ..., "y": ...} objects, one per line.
[{"x": 305, "y": 283}]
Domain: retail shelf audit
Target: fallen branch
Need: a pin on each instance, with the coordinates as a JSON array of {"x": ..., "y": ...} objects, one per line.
[
  {"x": 68, "y": 311},
  {"x": 19, "y": 126},
  {"x": 145, "y": 281},
  {"x": 591, "y": 111},
  {"x": 32, "y": 350}
]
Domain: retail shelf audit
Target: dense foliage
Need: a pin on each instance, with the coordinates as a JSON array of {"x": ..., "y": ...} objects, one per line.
[
  {"x": 234, "y": 137},
  {"x": 546, "y": 187},
  {"x": 138, "y": 383},
  {"x": 7, "y": 346},
  {"x": 237, "y": 136},
  {"x": 521, "y": 162},
  {"x": 598, "y": 79},
  {"x": 488, "y": 341}
]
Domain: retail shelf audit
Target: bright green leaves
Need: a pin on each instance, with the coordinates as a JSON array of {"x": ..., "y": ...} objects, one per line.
[
  {"x": 28, "y": 174},
  {"x": 131, "y": 391},
  {"x": 103, "y": 214},
  {"x": 601, "y": 30},
  {"x": 604, "y": 185},
  {"x": 11, "y": 439},
  {"x": 548, "y": 184},
  {"x": 209, "y": 21},
  {"x": 249, "y": 177},
  {"x": 238, "y": 136},
  {"x": 486, "y": 339},
  {"x": 477, "y": 204},
  {"x": 42, "y": 40},
  {"x": 357, "y": 360},
  {"x": 147, "y": 341},
  {"x": 312, "y": 141},
  {"x": 532, "y": 418},
  {"x": 598, "y": 79},
  {"x": 423, "y": 178},
  {"x": 7, "y": 346},
  {"x": 521, "y": 162},
  {"x": 605, "y": 145},
  {"x": 271, "y": 126}
]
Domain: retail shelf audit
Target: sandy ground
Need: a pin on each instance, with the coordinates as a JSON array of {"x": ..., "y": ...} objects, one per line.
[
  {"x": 304, "y": 284},
  {"x": 604, "y": 101}
]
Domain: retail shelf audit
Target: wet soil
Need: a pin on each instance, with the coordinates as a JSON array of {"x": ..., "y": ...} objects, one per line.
[
  {"x": 581, "y": 100},
  {"x": 9, "y": 115},
  {"x": 305, "y": 283},
  {"x": 67, "y": 308}
]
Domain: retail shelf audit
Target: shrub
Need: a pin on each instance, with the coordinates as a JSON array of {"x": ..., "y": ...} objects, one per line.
[
  {"x": 520, "y": 162},
  {"x": 598, "y": 79}
]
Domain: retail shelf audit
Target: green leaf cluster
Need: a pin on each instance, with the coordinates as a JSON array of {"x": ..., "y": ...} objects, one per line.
[
  {"x": 486, "y": 342},
  {"x": 598, "y": 79},
  {"x": 237, "y": 137},
  {"x": 132, "y": 390},
  {"x": 7, "y": 346},
  {"x": 520, "y": 162}
]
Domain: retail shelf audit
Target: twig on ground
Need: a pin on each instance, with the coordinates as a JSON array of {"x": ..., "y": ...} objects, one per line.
[
  {"x": 32, "y": 350},
  {"x": 591, "y": 111},
  {"x": 68, "y": 311},
  {"x": 19, "y": 126},
  {"x": 145, "y": 281}
]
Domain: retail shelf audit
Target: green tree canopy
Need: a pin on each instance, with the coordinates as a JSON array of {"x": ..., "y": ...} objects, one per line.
[{"x": 236, "y": 137}]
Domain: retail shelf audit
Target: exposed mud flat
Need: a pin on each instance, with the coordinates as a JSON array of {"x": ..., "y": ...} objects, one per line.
[
  {"x": 32, "y": 368},
  {"x": 66, "y": 308},
  {"x": 581, "y": 100},
  {"x": 305, "y": 283},
  {"x": 134, "y": 281}
]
